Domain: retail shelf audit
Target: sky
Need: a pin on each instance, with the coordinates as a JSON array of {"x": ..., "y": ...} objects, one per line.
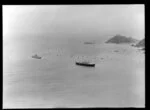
[{"x": 75, "y": 20}]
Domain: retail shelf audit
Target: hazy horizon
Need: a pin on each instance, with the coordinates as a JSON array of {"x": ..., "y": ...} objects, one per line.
[{"x": 74, "y": 20}]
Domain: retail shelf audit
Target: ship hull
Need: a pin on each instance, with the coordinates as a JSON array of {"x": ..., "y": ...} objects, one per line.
[
  {"x": 83, "y": 64},
  {"x": 36, "y": 57}
]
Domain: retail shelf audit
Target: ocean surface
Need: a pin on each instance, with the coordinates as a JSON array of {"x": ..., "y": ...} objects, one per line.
[{"x": 117, "y": 80}]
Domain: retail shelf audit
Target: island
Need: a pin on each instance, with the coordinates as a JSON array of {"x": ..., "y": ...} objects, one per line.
[{"x": 119, "y": 39}]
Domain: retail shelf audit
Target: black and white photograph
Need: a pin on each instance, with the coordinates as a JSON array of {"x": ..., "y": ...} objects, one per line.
[{"x": 73, "y": 56}]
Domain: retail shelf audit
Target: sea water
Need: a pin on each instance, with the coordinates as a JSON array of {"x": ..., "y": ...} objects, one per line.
[{"x": 117, "y": 80}]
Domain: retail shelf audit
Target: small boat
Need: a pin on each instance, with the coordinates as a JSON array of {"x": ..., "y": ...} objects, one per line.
[
  {"x": 85, "y": 63},
  {"x": 88, "y": 42},
  {"x": 36, "y": 56},
  {"x": 116, "y": 50}
]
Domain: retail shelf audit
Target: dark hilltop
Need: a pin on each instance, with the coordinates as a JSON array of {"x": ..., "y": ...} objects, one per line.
[{"x": 118, "y": 39}]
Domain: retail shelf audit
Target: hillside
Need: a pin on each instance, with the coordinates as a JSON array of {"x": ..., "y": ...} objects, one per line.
[
  {"x": 141, "y": 43},
  {"x": 121, "y": 39}
]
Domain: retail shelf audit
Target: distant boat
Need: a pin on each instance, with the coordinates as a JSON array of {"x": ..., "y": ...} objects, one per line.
[
  {"x": 85, "y": 63},
  {"x": 88, "y": 42},
  {"x": 36, "y": 56},
  {"x": 116, "y": 50}
]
